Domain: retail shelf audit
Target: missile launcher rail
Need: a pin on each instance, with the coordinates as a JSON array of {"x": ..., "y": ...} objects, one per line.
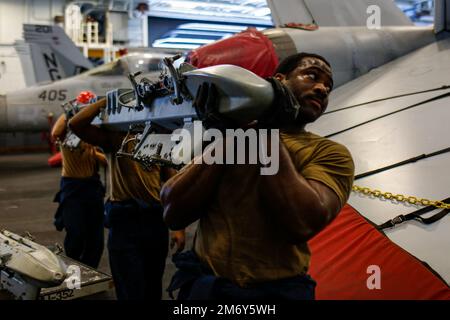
[{"x": 167, "y": 105}]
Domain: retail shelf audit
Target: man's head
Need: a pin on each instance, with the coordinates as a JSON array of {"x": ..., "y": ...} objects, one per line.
[{"x": 310, "y": 79}]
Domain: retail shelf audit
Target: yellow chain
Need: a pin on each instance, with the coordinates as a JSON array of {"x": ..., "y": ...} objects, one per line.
[{"x": 401, "y": 198}]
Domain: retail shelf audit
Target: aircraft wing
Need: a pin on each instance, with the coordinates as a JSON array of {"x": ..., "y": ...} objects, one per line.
[
  {"x": 376, "y": 138},
  {"x": 336, "y": 13}
]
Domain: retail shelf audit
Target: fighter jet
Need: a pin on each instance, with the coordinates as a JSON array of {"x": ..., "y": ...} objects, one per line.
[
  {"x": 391, "y": 240},
  {"x": 65, "y": 73}
]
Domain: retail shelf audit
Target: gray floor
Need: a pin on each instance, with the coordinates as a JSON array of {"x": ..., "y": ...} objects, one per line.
[{"x": 27, "y": 188}]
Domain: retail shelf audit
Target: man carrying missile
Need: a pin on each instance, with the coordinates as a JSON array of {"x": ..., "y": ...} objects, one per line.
[
  {"x": 138, "y": 237},
  {"x": 251, "y": 240},
  {"x": 80, "y": 198}
]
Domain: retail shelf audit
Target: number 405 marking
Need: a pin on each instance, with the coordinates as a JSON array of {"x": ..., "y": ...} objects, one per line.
[{"x": 53, "y": 95}]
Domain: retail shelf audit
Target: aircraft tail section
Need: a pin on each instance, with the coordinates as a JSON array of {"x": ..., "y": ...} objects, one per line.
[
  {"x": 54, "y": 56},
  {"x": 336, "y": 13},
  {"x": 24, "y": 52}
]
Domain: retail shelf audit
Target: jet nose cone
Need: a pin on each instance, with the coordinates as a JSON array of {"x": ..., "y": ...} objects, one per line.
[{"x": 3, "y": 116}]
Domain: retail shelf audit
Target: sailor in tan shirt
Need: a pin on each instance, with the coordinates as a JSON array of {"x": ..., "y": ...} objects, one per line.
[
  {"x": 80, "y": 198},
  {"x": 253, "y": 229},
  {"x": 138, "y": 237}
]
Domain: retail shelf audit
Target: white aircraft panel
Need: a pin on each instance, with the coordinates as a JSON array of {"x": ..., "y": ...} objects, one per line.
[
  {"x": 402, "y": 135},
  {"x": 335, "y": 121},
  {"x": 429, "y": 178},
  {"x": 423, "y": 129},
  {"x": 354, "y": 51},
  {"x": 425, "y": 68},
  {"x": 335, "y": 13},
  {"x": 394, "y": 138},
  {"x": 287, "y": 11},
  {"x": 354, "y": 12}
]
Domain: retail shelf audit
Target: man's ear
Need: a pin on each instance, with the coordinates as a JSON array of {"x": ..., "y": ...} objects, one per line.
[{"x": 280, "y": 76}]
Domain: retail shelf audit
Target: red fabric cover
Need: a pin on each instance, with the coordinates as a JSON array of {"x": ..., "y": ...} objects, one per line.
[
  {"x": 55, "y": 160},
  {"x": 343, "y": 251},
  {"x": 248, "y": 49}
]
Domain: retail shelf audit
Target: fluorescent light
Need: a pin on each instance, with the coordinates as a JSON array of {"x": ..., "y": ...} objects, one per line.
[{"x": 235, "y": 10}]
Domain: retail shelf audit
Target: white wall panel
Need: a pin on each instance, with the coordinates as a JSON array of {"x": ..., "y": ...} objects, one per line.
[
  {"x": 11, "y": 75},
  {"x": 14, "y": 13}
]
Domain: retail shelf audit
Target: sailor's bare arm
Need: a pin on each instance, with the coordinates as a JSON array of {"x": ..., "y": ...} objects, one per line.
[
  {"x": 186, "y": 195},
  {"x": 59, "y": 128},
  {"x": 301, "y": 207},
  {"x": 101, "y": 158},
  {"x": 81, "y": 125}
]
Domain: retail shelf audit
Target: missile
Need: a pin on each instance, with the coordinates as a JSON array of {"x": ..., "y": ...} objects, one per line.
[
  {"x": 32, "y": 262},
  {"x": 242, "y": 96}
]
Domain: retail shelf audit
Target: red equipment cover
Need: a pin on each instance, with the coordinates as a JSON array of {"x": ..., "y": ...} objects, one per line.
[
  {"x": 343, "y": 251},
  {"x": 249, "y": 49},
  {"x": 55, "y": 160}
]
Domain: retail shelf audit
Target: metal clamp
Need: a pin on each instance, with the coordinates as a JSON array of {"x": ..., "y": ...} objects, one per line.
[
  {"x": 176, "y": 80},
  {"x": 397, "y": 220}
]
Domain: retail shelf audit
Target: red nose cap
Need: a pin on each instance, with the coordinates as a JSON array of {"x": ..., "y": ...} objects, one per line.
[{"x": 85, "y": 96}]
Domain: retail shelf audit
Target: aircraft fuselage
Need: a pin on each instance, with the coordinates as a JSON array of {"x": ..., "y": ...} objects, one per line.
[{"x": 29, "y": 109}]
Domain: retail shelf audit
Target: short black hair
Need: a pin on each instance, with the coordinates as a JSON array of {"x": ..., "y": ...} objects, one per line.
[{"x": 292, "y": 61}]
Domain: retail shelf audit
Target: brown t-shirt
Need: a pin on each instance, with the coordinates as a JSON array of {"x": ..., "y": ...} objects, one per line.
[
  {"x": 80, "y": 162},
  {"x": 127, "y": 179},
  {"x": 236, "y": 238}
]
